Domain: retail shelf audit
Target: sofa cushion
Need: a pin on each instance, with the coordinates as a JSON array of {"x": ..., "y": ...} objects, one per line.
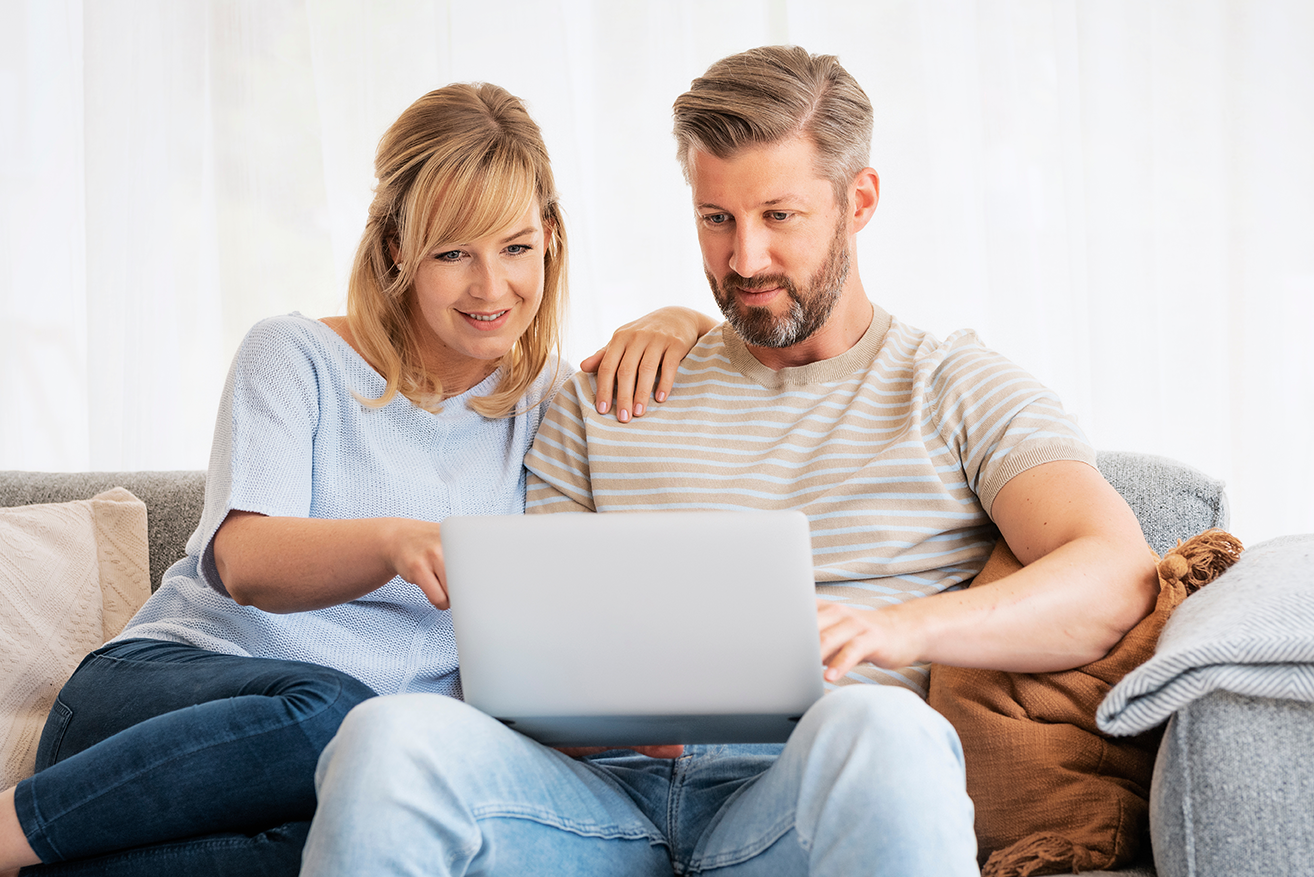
[
  {"x": 71, "y": 576},
  {"x": 174, "y": 500}
]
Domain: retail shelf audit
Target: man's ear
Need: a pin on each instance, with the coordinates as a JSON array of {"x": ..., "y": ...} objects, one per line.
[{"x": 863, "y": 196}]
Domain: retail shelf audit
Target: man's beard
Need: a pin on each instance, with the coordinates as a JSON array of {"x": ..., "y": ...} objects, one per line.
[{"x": 808, "y": 309}]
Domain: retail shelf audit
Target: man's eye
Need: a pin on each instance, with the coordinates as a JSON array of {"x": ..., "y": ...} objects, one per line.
[
  {"x": 778, "y": 215},
  {"x": 716, "y": 218}
]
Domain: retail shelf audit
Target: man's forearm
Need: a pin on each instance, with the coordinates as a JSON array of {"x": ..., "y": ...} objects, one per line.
[
  {"x": 1088, "y": 578},
  {"x": 1064, "y": 610}
]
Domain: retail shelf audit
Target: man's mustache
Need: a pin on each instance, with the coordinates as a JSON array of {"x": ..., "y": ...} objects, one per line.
[{"x": 752, "y": 284}]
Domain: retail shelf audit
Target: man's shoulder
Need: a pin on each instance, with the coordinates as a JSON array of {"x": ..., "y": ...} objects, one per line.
[{"x": 958, "y": 354}]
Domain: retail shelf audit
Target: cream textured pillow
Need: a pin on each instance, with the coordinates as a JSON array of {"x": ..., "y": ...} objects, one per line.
[{"x": 71, "y": 576}]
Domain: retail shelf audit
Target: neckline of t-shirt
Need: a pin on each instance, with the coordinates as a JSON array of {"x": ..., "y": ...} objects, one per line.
[
  {"x": 837, "y": 368},
  {"x": 460, "y": 398}
]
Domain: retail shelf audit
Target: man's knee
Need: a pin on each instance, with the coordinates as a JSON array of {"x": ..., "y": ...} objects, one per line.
[
  {"x": 389, "y": 746},
  {"x": 893, "y": 718},
  {"x": 404, "y": 727}
]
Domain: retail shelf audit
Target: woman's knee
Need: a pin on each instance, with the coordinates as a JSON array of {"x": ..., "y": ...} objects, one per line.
[{"x": 312, "y": 689}]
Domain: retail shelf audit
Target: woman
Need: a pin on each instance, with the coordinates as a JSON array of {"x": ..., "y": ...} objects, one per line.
[{"x": 315, "y": 578}]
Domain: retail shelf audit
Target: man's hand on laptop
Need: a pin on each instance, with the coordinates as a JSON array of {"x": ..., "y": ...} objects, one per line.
[
  {"x": 674, "y": 751},
  {"x": 850, "y": 636}
]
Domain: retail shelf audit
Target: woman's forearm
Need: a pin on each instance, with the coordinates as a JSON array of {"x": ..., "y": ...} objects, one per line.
[{"x": 296, "y": 564}]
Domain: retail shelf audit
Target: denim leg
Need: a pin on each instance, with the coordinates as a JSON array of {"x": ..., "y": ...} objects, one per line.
[
  {"x": 272, "y": 853},
  {"x": 871, "y": 782},
  {"x": 421, "y": 784},
  {"x": 154, "y": 743}
]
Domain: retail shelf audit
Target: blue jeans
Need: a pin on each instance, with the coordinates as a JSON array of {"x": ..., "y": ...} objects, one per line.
[
  {"x": 162, "y": 758},
  {"x": 871, "y": 782}
]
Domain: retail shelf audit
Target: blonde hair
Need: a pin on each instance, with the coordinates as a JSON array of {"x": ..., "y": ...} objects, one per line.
[
  {"x": 461, "y": 163},
  {"x": 771, "y": 94}
]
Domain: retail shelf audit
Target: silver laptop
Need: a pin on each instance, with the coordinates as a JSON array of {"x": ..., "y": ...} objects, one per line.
[{"x": 636, "y": 628}]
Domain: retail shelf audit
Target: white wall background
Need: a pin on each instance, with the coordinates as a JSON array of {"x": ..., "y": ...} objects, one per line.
[{"x": 1118, "y": 194}]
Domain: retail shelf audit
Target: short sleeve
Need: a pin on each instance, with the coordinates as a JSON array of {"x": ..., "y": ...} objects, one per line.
[
  {"x": 262, "y": 458},
  {"x": 998, "y": 419}
]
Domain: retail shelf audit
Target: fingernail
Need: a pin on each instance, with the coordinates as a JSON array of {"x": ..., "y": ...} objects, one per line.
[
  {"x": 661, "y": 396},
  {"x": 638, "y": 409},
  {"x": 623, "y": 416},
  {"x": 602, "y": 407}
]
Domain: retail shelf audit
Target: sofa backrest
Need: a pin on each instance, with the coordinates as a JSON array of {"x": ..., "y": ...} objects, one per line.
[
  {"x": 173, "y": 502},
  {"x": 1172, "y": 501}
]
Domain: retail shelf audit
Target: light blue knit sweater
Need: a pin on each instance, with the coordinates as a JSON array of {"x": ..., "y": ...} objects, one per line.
[{"x": 292, "y": 440}]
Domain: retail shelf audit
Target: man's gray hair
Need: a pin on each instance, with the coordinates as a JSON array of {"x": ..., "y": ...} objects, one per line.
[{"x": 771, "y": 94}]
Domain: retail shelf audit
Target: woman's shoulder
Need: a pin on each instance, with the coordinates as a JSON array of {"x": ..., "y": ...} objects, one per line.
[
  {"x": 341, "y": 327},
  {"x": 291, "y": 326},
  {"x": 290, "y": 336},
  {"x": 292, "y": 350}
]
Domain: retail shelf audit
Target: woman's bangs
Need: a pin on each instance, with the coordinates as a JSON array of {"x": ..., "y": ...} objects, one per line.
[{"x": 482, "y": 200}]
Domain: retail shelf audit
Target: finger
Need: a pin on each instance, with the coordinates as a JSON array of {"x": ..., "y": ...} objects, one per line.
[
  {"x": 433, "y": 589},
  {"x": 845, "y": 660},
  {"x": 834, "y": 637},
  {"x": 837, "y": 632},
  {"x": 591, "y": 362},
  {"x": 660, "y": 751},
  {"x": 829, "y": 616},
  {"x": 626, "y": 370},
  {"x": 644, "y": 380},
  {"x": 826, "y": 607},
  {"x": 606, "y": 368},
  {"x": 666, "y": 378}
]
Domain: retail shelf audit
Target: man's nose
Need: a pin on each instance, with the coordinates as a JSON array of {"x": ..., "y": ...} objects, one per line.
[{"x": 751, "y": 255}]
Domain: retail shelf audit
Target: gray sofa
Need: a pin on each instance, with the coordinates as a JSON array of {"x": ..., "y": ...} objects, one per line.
[{"x": 1233, "y": 781}]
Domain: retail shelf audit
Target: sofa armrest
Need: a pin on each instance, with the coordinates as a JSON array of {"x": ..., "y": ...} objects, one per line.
[
  {"x": 1232, "y": 788},
  {"x": 1250, "y": 632},
  {"x": 1234, "y": 676}
]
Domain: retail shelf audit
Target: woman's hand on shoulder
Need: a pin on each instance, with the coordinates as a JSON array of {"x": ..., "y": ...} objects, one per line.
[{"x": 639, "y": 363}]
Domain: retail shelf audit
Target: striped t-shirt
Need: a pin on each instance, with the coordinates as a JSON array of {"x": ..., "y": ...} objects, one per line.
[{"x": 895, "y": 450}]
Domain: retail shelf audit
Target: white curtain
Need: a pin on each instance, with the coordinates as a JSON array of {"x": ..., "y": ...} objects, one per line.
[{"x": 1117, "y": 195}]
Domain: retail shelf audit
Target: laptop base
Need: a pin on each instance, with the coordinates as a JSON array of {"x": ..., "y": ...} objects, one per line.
[{"x": 624, "y": 731}]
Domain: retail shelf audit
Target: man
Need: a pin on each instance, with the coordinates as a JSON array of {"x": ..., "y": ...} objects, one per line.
[{"x": 905, "y": 452}]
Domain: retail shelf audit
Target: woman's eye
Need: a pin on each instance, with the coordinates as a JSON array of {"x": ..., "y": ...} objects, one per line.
[
  {"x": 449, "y": 256},
  {"x": 517, "y": 249}
]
